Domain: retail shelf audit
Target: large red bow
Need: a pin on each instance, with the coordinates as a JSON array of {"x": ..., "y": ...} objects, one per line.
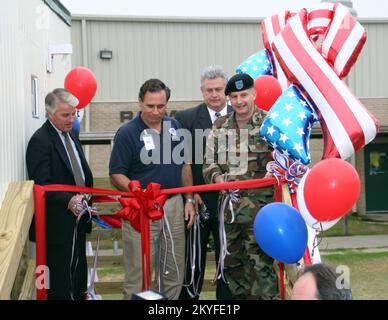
[
  {"x": 138, "y": 209},
  {"x": 144, "y": 203}
]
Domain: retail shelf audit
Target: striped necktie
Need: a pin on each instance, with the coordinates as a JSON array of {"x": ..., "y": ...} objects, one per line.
[
  {"x": 79, "y": 180},
  {"x": 217, "y": 115}
]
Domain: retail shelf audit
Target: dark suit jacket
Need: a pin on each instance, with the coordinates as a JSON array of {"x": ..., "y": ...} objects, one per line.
[
  {"x": 198, "y": 118},
  {"x": 48, "y": 163}
]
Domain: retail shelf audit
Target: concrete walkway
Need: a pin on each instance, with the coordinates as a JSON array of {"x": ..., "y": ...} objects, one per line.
[{"x": 354, "y": 242}]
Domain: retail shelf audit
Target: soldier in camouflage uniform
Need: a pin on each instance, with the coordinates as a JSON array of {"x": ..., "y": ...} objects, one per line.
[{"x": 242, "y": 155}]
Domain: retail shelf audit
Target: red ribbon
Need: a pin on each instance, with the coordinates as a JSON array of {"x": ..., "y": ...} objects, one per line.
[
  {"x": 145, "y": 206},
  {"x": 281, "y": 279},
  {"x": 138, "y": 207}
]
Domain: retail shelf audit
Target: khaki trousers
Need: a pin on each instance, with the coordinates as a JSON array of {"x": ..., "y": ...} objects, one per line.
[{"x": 172, "y": 280}]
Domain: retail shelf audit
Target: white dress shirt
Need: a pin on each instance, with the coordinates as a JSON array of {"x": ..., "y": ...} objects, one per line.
[
  {"x": 72, "y": 145},
  {"x": 212, "y": 113}
]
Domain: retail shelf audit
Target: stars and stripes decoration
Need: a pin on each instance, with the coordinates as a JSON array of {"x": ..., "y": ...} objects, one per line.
[
  {"x": 343, "y": 40},
  {"x": 282, "y": 167},
  {"x": 287, "y": 126},
  {"x": 347, "y": 126},
  {"x": 270, "y": 27},
  {"x": 256, "y": 65}
]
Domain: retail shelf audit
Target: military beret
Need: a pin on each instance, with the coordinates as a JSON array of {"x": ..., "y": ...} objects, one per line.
[{"x": 239, "y": 82}]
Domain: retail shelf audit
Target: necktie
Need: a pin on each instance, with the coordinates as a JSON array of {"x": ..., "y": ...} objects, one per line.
[
  {"x": 79, "y": 181},
  {"x": 217, "y": 115}
]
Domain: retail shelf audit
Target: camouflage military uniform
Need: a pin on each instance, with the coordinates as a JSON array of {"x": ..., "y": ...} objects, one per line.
[{"x": 248, "y": 269}]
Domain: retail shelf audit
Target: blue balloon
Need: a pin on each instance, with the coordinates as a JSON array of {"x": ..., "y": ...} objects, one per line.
[
  {"x": 76, "y": 124},
  {"x": 281, "y": 232},
  {"x": 257, "y": 65},
  {"x": 287, "y": 126}
]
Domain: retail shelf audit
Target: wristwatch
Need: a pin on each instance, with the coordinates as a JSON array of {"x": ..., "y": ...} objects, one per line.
[{"x": 191, "y": 200}]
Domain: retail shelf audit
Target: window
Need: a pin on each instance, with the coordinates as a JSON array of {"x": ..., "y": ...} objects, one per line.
[{"x": 34, "y": 97}]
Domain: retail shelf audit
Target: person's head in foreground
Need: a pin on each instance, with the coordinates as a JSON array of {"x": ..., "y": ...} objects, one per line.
[{"x": 320, "y": 282}]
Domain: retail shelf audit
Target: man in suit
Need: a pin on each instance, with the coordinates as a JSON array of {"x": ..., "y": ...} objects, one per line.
[
  {"x": 201, "y": 118},
  {"x": 54, "y": 156}
]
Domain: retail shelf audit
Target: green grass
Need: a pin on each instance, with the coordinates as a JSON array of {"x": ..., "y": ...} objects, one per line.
[
  {"x": 356, "y": 226},
  {"x": 353, "y": 256},
  {"x": 108, "y": 272},
  {"x": 368, "y": 270},
  {"x": 116, "y": 296},
  {"x": 368, "y": 279}
]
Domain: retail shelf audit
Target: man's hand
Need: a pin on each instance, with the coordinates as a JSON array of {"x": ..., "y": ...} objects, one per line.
[
  {"x": 189, "y": 214},
  {"x": 268, "y": 175},
  {"x": 220, "y": 179},
  {"x": 73, "y": 207},
  {"x": 198, "y": 201}
]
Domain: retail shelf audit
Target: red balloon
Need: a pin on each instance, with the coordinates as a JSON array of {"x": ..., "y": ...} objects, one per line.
[
  {"x": 268, "y": 90},
  {"x": 331, "y": 189},
  {"x": 82, "y": 83}
]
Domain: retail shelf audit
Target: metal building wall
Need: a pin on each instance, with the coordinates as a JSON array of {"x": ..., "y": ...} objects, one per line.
[
  {"x": 27, "y": 28},
  {"x": 369, "y": 77},
  {"x": 11, "y": 115},
  {"x": 177, "y": 50},
  {"x": 173, "y": 51}
]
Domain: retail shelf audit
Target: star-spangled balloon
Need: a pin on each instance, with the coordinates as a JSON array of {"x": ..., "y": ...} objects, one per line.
[
  {"x": 287, "y": 126},
  {"x": 256, "y": 65}
]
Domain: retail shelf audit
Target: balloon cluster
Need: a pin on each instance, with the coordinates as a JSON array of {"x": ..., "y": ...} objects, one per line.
[
  {"x": 316, "y": 69},
  {"x": 325, "y": 193},
  {"x": 310, "y": 73}
]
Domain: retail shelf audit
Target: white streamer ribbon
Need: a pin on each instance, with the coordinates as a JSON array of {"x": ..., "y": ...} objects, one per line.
[{"x": 230, "y": 198}]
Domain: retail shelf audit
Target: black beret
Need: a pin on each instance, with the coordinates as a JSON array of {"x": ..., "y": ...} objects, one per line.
[{"x": 239, "y": 82}]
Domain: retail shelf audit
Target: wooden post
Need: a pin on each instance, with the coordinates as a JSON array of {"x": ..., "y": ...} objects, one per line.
[
  {"x": 28, "y": 286},
  {"x": 15, "y": 218}
]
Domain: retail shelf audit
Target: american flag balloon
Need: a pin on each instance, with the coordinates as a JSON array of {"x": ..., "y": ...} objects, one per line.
[
  {"x": 270, "y": 27},
  {"x": 288, "y": 125},
  {"x": 256, "y": 65},
  {"x": 347, "y": 125}
]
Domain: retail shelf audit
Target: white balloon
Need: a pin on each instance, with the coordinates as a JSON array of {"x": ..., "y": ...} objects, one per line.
[{"x": 310, "y": 220}]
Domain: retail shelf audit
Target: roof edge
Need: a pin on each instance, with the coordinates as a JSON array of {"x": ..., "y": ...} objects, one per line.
[
  {"x": 166, "y": 18},
  {"x": 97, "y": 17},
  {"x": 60, "y": 10}
]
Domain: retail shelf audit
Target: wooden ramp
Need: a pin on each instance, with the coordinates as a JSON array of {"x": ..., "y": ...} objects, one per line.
[
  {"x": 108, "y": 261},
  {"x": 15, "y": 218}
]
